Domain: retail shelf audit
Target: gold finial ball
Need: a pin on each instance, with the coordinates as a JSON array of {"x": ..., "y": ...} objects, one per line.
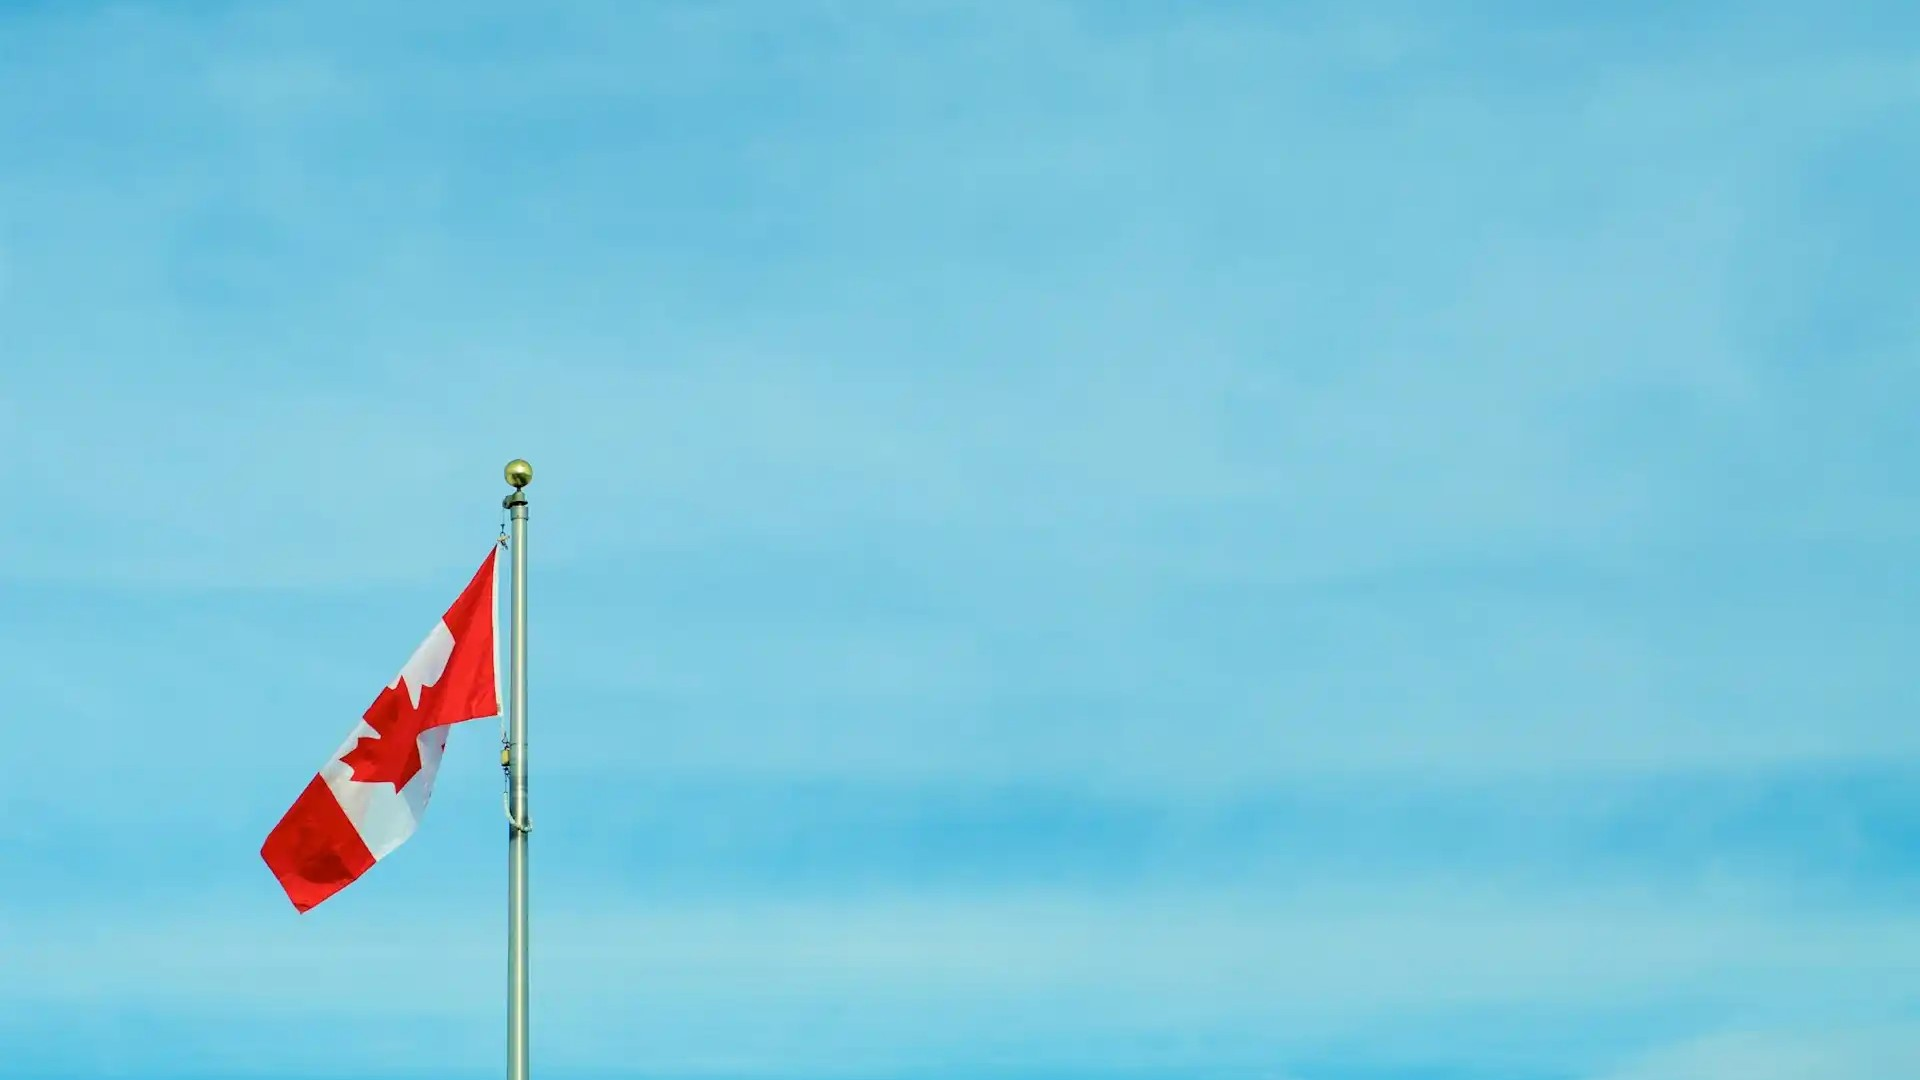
[{"x": 519, "y": 473}]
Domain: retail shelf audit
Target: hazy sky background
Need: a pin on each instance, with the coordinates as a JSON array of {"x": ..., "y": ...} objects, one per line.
[{"x": 1117, "y": 539}]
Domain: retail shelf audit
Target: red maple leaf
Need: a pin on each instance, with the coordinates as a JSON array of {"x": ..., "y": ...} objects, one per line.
[{"x": 394, "y": 756}]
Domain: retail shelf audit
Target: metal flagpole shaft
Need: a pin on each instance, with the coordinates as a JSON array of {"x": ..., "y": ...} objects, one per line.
[{"x": 519, "y": 474}]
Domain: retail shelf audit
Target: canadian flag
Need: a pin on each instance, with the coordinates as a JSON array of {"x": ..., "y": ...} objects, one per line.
[{"x": 370, "y": 795}]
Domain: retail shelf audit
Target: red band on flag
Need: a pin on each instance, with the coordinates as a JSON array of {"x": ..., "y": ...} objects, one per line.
[{"x": 315, "y": 851}]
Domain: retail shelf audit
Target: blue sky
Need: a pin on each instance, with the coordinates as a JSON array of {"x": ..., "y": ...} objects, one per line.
[{"x": 1258, "y": 541}]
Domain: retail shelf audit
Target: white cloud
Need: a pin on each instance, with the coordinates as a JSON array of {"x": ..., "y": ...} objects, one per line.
[
  {"x": 1063, "y": 978},
  {"x": 1839, "y": 1054},
  {"x": 1172, "y": 372}
]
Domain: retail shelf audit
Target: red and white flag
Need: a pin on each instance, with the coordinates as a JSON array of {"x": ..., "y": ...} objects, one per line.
[{"x": 370, "y": 795}]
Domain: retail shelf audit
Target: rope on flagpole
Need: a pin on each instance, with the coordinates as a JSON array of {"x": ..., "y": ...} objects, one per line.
[
  {"x": 519, "y": 824},
  {"x": 505, "y": 543}
]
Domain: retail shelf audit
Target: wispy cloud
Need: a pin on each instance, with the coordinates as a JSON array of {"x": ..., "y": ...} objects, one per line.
[
  {"x": 1065, "y": 981},
  {"x": 1845, "y": 1054}
]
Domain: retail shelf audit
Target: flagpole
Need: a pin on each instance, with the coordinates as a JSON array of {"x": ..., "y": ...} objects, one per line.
[{"x": 519, "y": 474}]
